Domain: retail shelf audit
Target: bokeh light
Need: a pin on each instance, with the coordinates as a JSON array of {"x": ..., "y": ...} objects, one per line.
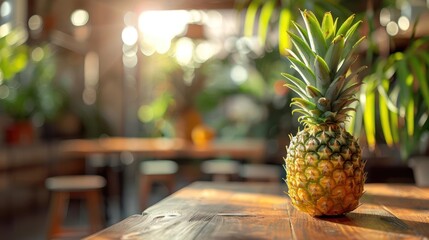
[
  {"x": 130, "y": 35},
  {"x": 35, "y": 23},
  {"x": 239, "y": 74},
  {"x": 404, "y": 23},
  {"x": 392, "y": 28},
  {"x": 37, "y": 54},
  {"x": 184, "y": 51},
  {"x": 5, "y": 9},
  {"x": 385, "y": 17},
  {"x": 169, "y": 24},
  {"x": 79, "y": 17}
]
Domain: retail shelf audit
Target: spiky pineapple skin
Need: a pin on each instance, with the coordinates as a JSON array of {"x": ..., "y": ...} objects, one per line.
[{"x": 325, "y": 171}]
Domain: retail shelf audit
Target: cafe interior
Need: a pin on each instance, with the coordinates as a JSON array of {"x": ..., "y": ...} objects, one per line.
[{"x": 137, "y": 99}]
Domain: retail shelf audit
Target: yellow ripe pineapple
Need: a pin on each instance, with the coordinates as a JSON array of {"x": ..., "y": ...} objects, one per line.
[{"x": 325, "y": 172}]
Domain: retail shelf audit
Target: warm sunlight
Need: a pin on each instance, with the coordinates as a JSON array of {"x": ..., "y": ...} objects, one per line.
[{"x": 168, "y": 25}]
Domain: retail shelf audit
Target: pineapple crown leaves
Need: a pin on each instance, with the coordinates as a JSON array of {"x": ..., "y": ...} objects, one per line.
[{"x": 322, "y": 56}]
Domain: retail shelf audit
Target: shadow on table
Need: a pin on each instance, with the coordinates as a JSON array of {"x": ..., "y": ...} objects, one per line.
[{"x": 380, "y": 223}]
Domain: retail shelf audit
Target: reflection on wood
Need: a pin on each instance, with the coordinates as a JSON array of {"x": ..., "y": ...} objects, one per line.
[{"x": 207, "y": 210}]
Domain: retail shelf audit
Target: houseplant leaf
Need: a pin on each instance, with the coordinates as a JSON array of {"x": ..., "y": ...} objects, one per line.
[{"x": 264, "y": 20}]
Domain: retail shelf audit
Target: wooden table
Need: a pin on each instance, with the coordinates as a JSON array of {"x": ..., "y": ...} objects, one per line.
[
  {"x": 208, "y": 210},
  {"x": 252, "y": 150}
]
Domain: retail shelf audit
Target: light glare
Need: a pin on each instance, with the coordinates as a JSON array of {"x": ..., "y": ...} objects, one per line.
[
  {"x": 79, "y": 17},
  {"x": 129, "y": 35},
  {"x": 5, "y": 9},
  {"x": 35, "y": 22},
  {"x": 392, "y": 28},
  {"x": 239, "y": 74},
  {"x": 184, "y": 51},
  {"x": 404, "y": 23},
  {"x": 37, "y": 54}
]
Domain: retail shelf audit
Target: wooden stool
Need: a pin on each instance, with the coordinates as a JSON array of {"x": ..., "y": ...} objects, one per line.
[
  {"x": 260, "y": 173},
  {"x": 62, "y": 189},
  {"x": 221, "y": 170},
  {"x": 161, "y": 171}
]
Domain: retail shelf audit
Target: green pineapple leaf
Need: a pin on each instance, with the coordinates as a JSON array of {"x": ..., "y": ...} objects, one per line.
[
  {"x": 333, "y": 55},
  {"x": 346, "y": 25},
  {"x": 328, "y": 27},
  {"x": 303, "y": 70},
  {"x": 297, "y": 82},
  {"x": 321, "y": 70},
  {"x": 302, "y": 32},
  {"x": 306, "y": 54},
  {"x": 335, "y": 88},
  {"x": 313, "y": 92},
  {"x": 315, "y": 35}
]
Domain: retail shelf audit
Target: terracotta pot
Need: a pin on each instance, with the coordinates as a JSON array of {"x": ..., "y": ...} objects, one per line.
[{"x": 20, "y": 133}]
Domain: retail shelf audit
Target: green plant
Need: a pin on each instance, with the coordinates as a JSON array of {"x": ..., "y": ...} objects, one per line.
[
  {"x": 396, "y": 97},
  {"x": 13, "y": 54},
  {"x": 264, "y": 15},
  {"x": 31, "y": 92}
]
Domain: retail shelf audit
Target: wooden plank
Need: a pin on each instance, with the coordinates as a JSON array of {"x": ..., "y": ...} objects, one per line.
[
  {"x": 369, "y": 221},
  {"x": 366, "y": 224},
  {"x": 261, "y": 215},
  {"x": 116, "y": 231},
  {"x": 408, "y": 203},
  {"x": 207, "y": 210}
]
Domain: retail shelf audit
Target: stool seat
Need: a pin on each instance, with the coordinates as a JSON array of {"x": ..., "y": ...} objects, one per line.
[
  {"x": 260, "y": 172},
  {"x": 220, "y": 169},
  {"x": 158, "y": 167},
  {"x": 62, "y": 189},
  {"x": 156, "y": 171},
  {"x": 75, "y": 183}
]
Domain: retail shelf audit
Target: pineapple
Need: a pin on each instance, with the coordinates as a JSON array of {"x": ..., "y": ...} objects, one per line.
[{"x": 325, "y": 172}]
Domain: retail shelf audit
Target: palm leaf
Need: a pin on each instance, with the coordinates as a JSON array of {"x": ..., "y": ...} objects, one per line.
[
  {"x": 420, "y": 74},
  {"x": 368, "y": 100},
  {"x": 264, "y": 20},
  {"x": 249, "y": 21},
  {"x": 384, "y": 113},
  {"x": 284, "y": 22},
  {"x": 410, "y": 116}
]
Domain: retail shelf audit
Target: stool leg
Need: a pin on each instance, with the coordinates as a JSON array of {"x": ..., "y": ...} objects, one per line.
[
  {"x": 59, "y": 203},
  {"x": 171, "y": 184},
  {"x": 145, "y": 190},
  {"x": 94, "y": 206},
  {"x": 220, "y": 178}
]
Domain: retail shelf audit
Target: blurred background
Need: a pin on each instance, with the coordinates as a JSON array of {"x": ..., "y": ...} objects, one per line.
[{"x": 82, "y": 82}]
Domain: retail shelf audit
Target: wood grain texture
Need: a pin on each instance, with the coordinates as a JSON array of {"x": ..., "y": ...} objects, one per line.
[{"x": 208, "y": 210}]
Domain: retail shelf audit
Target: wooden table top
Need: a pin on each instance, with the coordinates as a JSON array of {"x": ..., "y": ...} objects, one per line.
[
  {"x": 209, "y": 210},
  {"x": 253, "y": 150}
]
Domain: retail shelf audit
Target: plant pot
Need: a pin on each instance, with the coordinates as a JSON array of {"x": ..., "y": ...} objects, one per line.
[
  {"x": 420, "y": 166},
  {"x": 20, "y": 133}
]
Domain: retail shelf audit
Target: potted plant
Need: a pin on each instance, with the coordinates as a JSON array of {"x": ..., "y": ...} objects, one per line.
[
  {"x": 30, "y": 96},
  {"x": 396, "y": 98}
]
